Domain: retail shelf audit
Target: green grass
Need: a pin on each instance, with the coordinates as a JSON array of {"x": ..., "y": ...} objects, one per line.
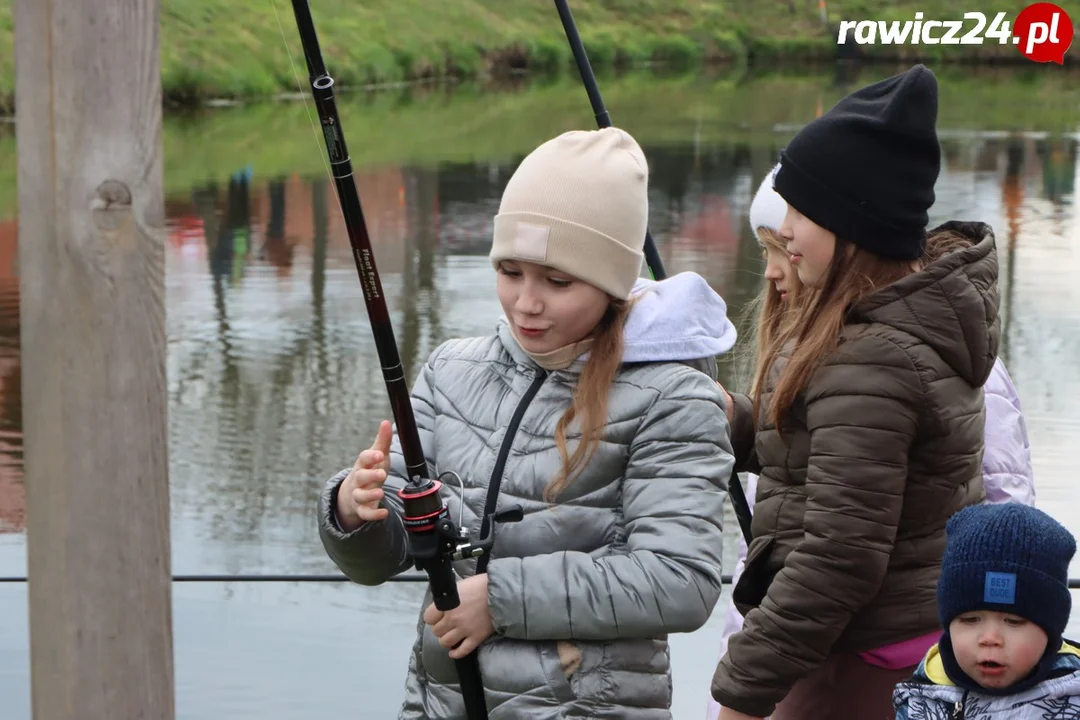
[
  {"x": 427, "y": 126},
  {"x": 237, "y": 48}
]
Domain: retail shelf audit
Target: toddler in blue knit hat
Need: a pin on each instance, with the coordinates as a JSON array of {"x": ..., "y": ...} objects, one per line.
[{"x": 1003, "y": 599}]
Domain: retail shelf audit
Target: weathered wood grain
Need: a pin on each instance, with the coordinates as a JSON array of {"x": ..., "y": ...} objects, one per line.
[{"x": 91, "y": 263}]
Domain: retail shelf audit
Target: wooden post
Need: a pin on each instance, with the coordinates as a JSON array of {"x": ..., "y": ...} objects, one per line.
[{"x": 91, "y": 248}]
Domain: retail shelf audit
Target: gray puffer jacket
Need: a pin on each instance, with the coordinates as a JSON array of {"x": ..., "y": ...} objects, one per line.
[{"x": 584, "y": 593}]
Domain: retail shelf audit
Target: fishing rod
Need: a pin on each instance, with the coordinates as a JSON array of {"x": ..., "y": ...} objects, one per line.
[
  {"x": 740, "y": 505},
  {"x": 652, "y": 255},
  {"x": 434, "y": 541},
  {"x": 603, "y": 118},
  {"x": 282, "y": 578},
  {"x": 1074, "y": 583}
]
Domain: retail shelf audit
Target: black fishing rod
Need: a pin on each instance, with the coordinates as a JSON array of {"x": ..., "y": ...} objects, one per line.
[
  {"x": 1074, "y": 583},
  {"x": 434, "y": 541},
  {"x": 741, "y": 507},
  {"x": 603, "y": 118},
  {"x": 652, "y": 255},
  {"x": 277, "y": 578}
]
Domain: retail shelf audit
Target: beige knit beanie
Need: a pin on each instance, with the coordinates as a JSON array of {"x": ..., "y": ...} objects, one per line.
[{"x": 579, "y": 203}]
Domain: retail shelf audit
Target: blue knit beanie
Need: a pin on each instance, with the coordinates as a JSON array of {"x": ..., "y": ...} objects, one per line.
[{"x": 1010, "y": 558}]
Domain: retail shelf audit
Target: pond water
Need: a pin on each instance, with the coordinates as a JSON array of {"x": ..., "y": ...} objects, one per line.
[{"x": 273, "y": 377}]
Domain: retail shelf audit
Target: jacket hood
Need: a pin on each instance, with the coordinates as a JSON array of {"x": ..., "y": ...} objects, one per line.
[
  {"x": 676, "y": 319},
  {"x": 951, "y": 304},
  {"x": 929, "y": 693}
]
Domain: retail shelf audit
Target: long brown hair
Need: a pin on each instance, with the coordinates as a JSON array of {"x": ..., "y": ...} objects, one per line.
[
  {"x": 815, "y": 333},
  {"x": 590, "y": 399}
]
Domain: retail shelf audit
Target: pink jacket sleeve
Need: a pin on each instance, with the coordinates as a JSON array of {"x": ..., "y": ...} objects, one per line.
[{"x": 1007, "y": 472}]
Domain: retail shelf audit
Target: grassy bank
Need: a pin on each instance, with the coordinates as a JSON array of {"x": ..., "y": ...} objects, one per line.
[
  {"x": 235, "y": 48},
  {"x": 427, "y": 127}
]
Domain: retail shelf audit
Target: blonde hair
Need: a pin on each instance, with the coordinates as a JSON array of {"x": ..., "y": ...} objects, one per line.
[
  {"x": 773, "y": 313},
  {"x": 590, "y": 399}
]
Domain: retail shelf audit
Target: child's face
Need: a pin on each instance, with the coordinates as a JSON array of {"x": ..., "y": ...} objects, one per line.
[
  {"x": 778, "y": 271},
  {"x": 994, "y": 649},
  {"x": 810, "y": 247},
  {"x": 547, "y": 308}
]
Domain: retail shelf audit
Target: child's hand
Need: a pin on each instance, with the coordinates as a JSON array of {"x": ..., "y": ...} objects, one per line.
[
  {"x": 729, "y": 404},
  {"x": 462, "y": 629},
  {"x": 729, "y": 714},
  {"x": 361, "y": 493}
]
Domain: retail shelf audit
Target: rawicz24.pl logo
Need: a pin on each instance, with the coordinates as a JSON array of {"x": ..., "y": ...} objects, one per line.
[{"x": 1042, "y": 32}]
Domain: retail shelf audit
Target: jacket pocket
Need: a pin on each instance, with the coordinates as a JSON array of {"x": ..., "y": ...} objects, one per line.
[
  {"x": 558, "y": 666},
  {"x": 756, "y": 576}
]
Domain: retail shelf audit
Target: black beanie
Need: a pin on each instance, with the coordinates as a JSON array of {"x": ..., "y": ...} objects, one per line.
[
  {"x": 866, "y": 169},
  {"x": 1010, "y": 558}
]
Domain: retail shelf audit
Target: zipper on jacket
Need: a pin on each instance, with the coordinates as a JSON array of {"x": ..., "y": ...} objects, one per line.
[
  {"x": 958, "y": 708},
  {"x": 500, "y": 462}
]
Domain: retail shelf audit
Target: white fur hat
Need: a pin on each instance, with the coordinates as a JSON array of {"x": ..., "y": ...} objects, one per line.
[{"x": 767, "y": 208}]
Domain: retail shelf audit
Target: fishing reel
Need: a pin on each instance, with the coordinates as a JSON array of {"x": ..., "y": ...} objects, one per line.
[{"x": 435, "y": 542}]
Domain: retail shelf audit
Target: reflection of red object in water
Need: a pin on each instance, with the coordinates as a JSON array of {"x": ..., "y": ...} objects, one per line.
[
  {"x": 12, "y": 493},
  {"x": 185, "y": 230},
  {"x": 711, "y": 226},
  {"x": 9, "y": 244},
  {"x": 1012, "y": 196}
]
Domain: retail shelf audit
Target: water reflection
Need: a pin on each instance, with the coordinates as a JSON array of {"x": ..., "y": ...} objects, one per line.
[
  {"x": 12, "y": 496},
  {"x": 274, "y": 381}
]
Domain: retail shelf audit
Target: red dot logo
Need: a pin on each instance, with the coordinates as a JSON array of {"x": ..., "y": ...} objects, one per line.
[{"x": 1043, "y": 32}]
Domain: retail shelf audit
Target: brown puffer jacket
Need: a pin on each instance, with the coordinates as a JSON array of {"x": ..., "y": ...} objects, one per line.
[{"x": 883, "y": 446}]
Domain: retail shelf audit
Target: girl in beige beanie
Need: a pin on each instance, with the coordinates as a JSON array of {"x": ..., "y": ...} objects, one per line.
[{"x": 582, "y": 410}]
